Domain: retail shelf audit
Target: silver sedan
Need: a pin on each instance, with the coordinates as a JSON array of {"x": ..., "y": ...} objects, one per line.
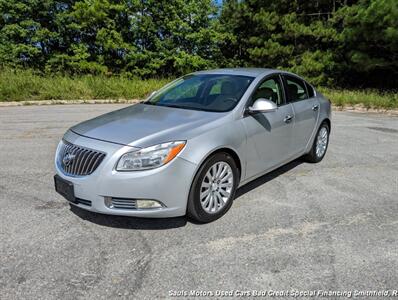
[{"x": 190, "y": 145}]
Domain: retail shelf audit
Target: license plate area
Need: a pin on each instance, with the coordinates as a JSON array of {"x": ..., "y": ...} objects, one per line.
[{"x": 65, "y": 188}]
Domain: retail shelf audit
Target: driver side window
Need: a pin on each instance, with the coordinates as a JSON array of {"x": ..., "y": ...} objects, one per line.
[{"x": 269, "y": 89}]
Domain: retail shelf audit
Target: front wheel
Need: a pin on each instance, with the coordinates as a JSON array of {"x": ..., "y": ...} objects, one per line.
[
  {"x": 320, "y": 144},
  {"x": 213, "y": 188}
]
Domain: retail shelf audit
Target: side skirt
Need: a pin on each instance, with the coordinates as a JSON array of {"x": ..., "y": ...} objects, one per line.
[{"x": 247, "y": 180}]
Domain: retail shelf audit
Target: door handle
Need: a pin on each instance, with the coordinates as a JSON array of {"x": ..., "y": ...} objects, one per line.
[
  {"x": 315, "y": 107},
  {"x": 288, "y": 119}
]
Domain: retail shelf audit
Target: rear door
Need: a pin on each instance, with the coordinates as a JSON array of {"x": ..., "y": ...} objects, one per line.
[{"x": 306, "y": 110}]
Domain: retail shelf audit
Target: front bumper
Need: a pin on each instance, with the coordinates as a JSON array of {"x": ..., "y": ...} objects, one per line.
[{"x": 169, "y": 184}]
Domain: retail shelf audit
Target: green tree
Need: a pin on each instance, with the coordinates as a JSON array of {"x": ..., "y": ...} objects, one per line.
[
  {"x": 292, "y": 35},
  {"x": 369, "y": 42},
  {"x": 27, "y": 32},
  {"x": 94, "y": 38},
  {"x": 140, "y": 37},
  {"x": 172, "y": 37},
  {"x": 346, "y": 42}
]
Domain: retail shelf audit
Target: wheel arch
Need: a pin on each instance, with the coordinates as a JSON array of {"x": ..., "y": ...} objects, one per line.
[
  {"x": 233, "y": 154},
  {"x": 224, "y": 149},
  {"x": 327, "y": 121}
]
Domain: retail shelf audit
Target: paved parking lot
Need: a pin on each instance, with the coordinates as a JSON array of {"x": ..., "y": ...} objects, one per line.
[{"x": 329, "y": 226}]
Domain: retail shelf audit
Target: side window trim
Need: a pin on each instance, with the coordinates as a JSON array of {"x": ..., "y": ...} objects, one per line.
[
  {"x": 284, "y": 80},
  {"x": 284, "y": 87},
  {"x": 284, "y": 99},
  {"x": 309, "y": 86}
]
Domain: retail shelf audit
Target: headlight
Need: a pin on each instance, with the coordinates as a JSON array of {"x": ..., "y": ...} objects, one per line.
[{"x": 149, "y": 158}]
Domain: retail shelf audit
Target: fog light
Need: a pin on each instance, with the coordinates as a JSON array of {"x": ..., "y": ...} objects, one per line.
[
  {"x": 127, "y": 203},
  {"x": 145, "y": 204}
]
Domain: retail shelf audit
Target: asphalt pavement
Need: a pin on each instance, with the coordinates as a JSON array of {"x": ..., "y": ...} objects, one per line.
[{"x": 331, "y": 226}]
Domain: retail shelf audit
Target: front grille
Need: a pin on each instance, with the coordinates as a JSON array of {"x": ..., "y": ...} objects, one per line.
[
  {"x": 123, "y": 203},
  {"x": 78, "y": 161}
]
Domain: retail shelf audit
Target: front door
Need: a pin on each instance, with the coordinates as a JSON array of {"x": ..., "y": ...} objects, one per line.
[{"x": 269, "y": 135}]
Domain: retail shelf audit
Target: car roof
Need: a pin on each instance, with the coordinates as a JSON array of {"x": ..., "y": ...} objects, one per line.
[{"x": 252, "y": 72}]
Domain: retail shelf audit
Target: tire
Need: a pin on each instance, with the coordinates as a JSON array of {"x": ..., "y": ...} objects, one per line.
[
  {"x": 313, "y": 156},
  {"x": 208, "y": 201}
]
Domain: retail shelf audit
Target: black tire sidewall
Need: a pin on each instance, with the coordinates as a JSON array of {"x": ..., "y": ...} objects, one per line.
[
  {"x": 312, "y": 155},
  {"x": 195, "y": 209}
]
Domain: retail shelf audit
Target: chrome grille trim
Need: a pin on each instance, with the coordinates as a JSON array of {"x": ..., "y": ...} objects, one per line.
[
  {"x": 122, "y": 203},
  {"x": 84, "y": 162}
]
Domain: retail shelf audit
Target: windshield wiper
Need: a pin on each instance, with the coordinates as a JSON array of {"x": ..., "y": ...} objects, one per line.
[
  {"x": 148, "y": 102},
  {"x": 171, "y": 105},
  {"x": 183, "y": 107}
]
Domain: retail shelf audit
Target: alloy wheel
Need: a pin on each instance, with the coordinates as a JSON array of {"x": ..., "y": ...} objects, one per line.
[
  {"x": 216, "y": 187},
  {"x": 321, "y": 142}
]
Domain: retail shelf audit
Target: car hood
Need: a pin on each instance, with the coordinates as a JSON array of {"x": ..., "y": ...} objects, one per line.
[{"x": 142, "y": 125}]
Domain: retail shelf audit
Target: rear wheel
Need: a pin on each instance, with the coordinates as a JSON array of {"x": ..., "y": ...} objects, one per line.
[
  {"x": 320, "y": 144},
  {"x": 213, "y": 188}
]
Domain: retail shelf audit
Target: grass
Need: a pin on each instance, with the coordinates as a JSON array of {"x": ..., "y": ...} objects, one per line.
[
  {"x": 20, "y": 85},
  {"x": 367, "y": 98}
]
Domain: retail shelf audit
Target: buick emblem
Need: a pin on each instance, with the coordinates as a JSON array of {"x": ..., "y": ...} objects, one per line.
[{"x": 68, "y": 158}]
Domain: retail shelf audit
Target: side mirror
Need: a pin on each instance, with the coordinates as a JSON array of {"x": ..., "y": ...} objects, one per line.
[{"x": 262, "y": 105}]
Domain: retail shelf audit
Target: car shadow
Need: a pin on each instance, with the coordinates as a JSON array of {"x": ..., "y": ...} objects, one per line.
[
  {"x": 260, "y": 118},
  {"x": 125, "y": 222},
  {"x": 267, "y": 177}
]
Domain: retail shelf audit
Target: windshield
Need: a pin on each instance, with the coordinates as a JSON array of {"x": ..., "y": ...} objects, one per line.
[{"x": 208, "y": 92}]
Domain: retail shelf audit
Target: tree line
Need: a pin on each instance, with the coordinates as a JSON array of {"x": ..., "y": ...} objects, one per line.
[{"x": 330, "y": 42}]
